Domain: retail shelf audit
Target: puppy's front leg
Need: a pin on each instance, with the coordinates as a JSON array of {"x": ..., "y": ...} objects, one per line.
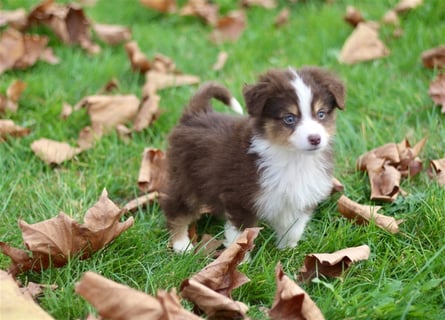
[
  {"x": 288, "y": 236},
  {"x": 179, "y": 234}
]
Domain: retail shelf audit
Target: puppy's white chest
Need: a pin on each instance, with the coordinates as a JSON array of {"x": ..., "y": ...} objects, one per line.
[{"x": 291, "y": 183}]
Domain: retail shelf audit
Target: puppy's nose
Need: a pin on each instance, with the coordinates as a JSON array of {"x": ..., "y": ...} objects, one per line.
[{"x": 314, "y": 139}]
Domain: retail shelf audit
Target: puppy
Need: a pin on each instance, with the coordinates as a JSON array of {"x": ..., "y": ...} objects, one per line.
[{"x": 275, "y": 165}]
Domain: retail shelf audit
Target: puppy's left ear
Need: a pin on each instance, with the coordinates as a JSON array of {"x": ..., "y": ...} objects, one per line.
[
  {"x": 255, "y": 96},
  {"x": 331, "y": 82}
]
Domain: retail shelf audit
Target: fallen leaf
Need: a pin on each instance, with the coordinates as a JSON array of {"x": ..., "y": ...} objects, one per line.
[
  {"x": 116, "y": 301},
  {"x": 291, "y": 301},
  {"x": 148, "y": 112},
  {"x": 437, "y": 91},
  {"x": 16, "y": 19},
  {"x": 16, "y": 305},
  {"x": 9, "y": 128},
  {"x": 141, "y": 202},
  {"x": 337, "y": 185},
  {"x": 391, "y": 18},
  {"x": 406, "y": 5},
  {"x": 437, "y": 170},
  {"x": 220, "y": 61},
  {"x": 112, "y": 34},
  {"x": 364, "y": 213},
  {"x": 268, "y": 4},
  {"x": 54, "y": 152},
  {"x": 124, "y": 133},
  {"x": 13, "y": 94},
  {"x": 282, "y": 17},
  {"x": 110, "y": 86},
  {"x": 88, "y": 136},
  {"x": 109, "y": 111},
  {"x": 164, "y": 6},
  {"x": 410, "y": 164},
  {"x": 153, "y": 171},
  {"x": 331, "y": 264},
  {"x": 363, "y": 45},
  {"x": 33, "y": 290},
  {"x": 67, "y": 110},
  {"x": 229, "y": 28},
  {"x": 163, "y": 64},
  {"x": 207, "y": 244},
  {"x": 434, "y": 57},
  {"x": 209, "y": 12},
  {"x": 139, "y": 61},
  {"x": 353, "y": 16},
  {"x": 155, "y": 80},
  {"x": 56, "y": 240}
]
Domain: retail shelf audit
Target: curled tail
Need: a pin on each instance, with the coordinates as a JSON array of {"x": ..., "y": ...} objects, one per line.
[{"x": 200, "y": 102}]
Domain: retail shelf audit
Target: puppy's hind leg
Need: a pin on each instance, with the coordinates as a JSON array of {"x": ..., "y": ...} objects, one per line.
[{"x": 178, "y": 228}]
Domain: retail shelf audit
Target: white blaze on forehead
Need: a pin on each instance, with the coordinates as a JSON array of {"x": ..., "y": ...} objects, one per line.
[{"x": 304, "y": 94}]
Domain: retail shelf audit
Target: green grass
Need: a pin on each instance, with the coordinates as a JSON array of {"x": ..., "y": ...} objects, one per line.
[{"x": 387, "y": 100}]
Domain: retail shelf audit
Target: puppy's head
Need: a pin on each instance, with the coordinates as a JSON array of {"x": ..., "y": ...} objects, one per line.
[{"x": 296, "y": 108}]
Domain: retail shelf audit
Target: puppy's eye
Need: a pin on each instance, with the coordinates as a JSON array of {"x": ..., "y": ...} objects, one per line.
[
  {"x": 290, "y": 119},
  {"x": 321, "y": 114}
]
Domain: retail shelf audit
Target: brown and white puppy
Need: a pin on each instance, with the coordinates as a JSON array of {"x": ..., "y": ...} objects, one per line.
[{"x": 275, "y": 165}]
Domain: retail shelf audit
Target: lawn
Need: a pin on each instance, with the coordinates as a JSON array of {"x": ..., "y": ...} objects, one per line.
[{"x": 387, "y": 101}]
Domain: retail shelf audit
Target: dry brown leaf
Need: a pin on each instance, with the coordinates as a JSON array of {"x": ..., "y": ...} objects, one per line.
[
  {"x": 148, "y": 112},
  {"x": 109, "y": 111},
  {"x": 111, "y": 33},
  {"x": 337, "y": 185},
  {"x": 220, "y": 61},
  {"x": 16, "y": 19},
  {"x": 363, "y": 45},
  {"x": 67, "y": 110},
  {"x": 56, "y": 240},
  {"x": 291, "y": 302},
  {"x": 9, "y": 128},
  {"x": 139, "y": 61},
  {"x": 88, "y": 136},
  {"x": 268, "y": 4},
  {"x": 163, "y": 64},
  {"x": 13, "y": 94},
  {"x": 434, "y": 57},
  {"x": 207, "y": 244},
  {"x": 209, "y": 12},
  {"x": 68, "y": 22},
  {"x": 141, "y": 202},
  {"x": 33, "y": 290},
  {"x": 353, "y": 16},
  {"x": 364, "y": 213},
  {"x": 116, "y": 301},
  {"x": 229, "y": 28},
  {"x": 16, "y": 305},
  {"x": 164, "y": 6},
  {"x": 406, "y": 5},
  {"x": 410, "y": 164},
  {"x": 54, "y": 152},
  {"x": 391, "y": 18},
  {"x": 437, "y": 91},
  {"x": 282, "y": 17},
  {"x": 331, "y": 264},
  {"x": 385, "y": 182},
  {"x": 110, "y": 86},
  {"x": 124, "y": 133},
  {"x": 153, "y": 171},
  {"x": 155, "y": 80},
  {"x": 437, "y": 170}
]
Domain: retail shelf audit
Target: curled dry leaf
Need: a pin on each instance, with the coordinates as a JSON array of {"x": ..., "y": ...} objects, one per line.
[
  {"x": 9, "y": 128},
  {"x": 209, "y": 12},
  {"x": 363, "y": 214},
  {"x": 16, "y": 305},
  {"x": 163, "y": 64},
  {"x": 16, "y": 19},
  {"x": 229, "y": 28},
  {"x": 164, "y": 6},
  {"x": 139, "y": 61},
  {"x": 337, "y": 185},
  {"x": 220, "y": 61},
  {"x": 406, "y": 5},
  {"x": 153, "y": 171},
  {"x": 434, "y": 58},
  {"x": 33, "y": 290},
  {"x": 268, "y": 4},
  {"x": 363, "y": 45},
  {"x": 112, "y": 34},
  {"x": 109, "y": 111},
  {"x": 437, "y": 91},
  {"x": 331, "y": 264},
  {"x": 13, "y": 94},
  {"x": 88, "y": 136},
  {"x": 155, "y": 80},
  {"x": 282, "y": 17},
  {"x": 148, "y": 112},
  {"x": 437, "y": 170},
  {"x": 291, "y": 301},
  {"x": 353, "y": 16},
  {"x": 116, "y": 301},
  {"x": 56, "y": 240},
  {"x": 141, "y": 202},
  {"x": 67, "y": 110},
  {"x": 54, "y": 152},
  {"x": 391, "y": 18}
]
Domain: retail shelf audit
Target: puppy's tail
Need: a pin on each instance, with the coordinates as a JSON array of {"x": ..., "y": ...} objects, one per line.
[{"x": 200, "y": 102}]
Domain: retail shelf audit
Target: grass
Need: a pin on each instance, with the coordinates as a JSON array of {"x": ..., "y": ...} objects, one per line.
[{"x": 387, "y": 100}]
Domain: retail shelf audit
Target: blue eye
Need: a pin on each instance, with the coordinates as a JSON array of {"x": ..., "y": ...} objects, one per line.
[
  {"x": 290, "y": 119},
  {"x": 321, "y": 114}
]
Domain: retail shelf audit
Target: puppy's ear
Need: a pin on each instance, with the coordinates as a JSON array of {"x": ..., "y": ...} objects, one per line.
[
  {"x": 255, "y": 96},
  {"x": 331, "y": 82}
]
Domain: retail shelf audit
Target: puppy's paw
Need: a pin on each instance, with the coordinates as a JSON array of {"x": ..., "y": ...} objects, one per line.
[{"x": 182, "y": 245}]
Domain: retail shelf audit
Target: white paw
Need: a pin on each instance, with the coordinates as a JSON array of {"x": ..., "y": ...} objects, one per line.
[{"x": 182, "y": 245}]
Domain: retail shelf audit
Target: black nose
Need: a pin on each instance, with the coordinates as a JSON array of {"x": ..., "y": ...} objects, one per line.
[{"x": 314, "y": 139}]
